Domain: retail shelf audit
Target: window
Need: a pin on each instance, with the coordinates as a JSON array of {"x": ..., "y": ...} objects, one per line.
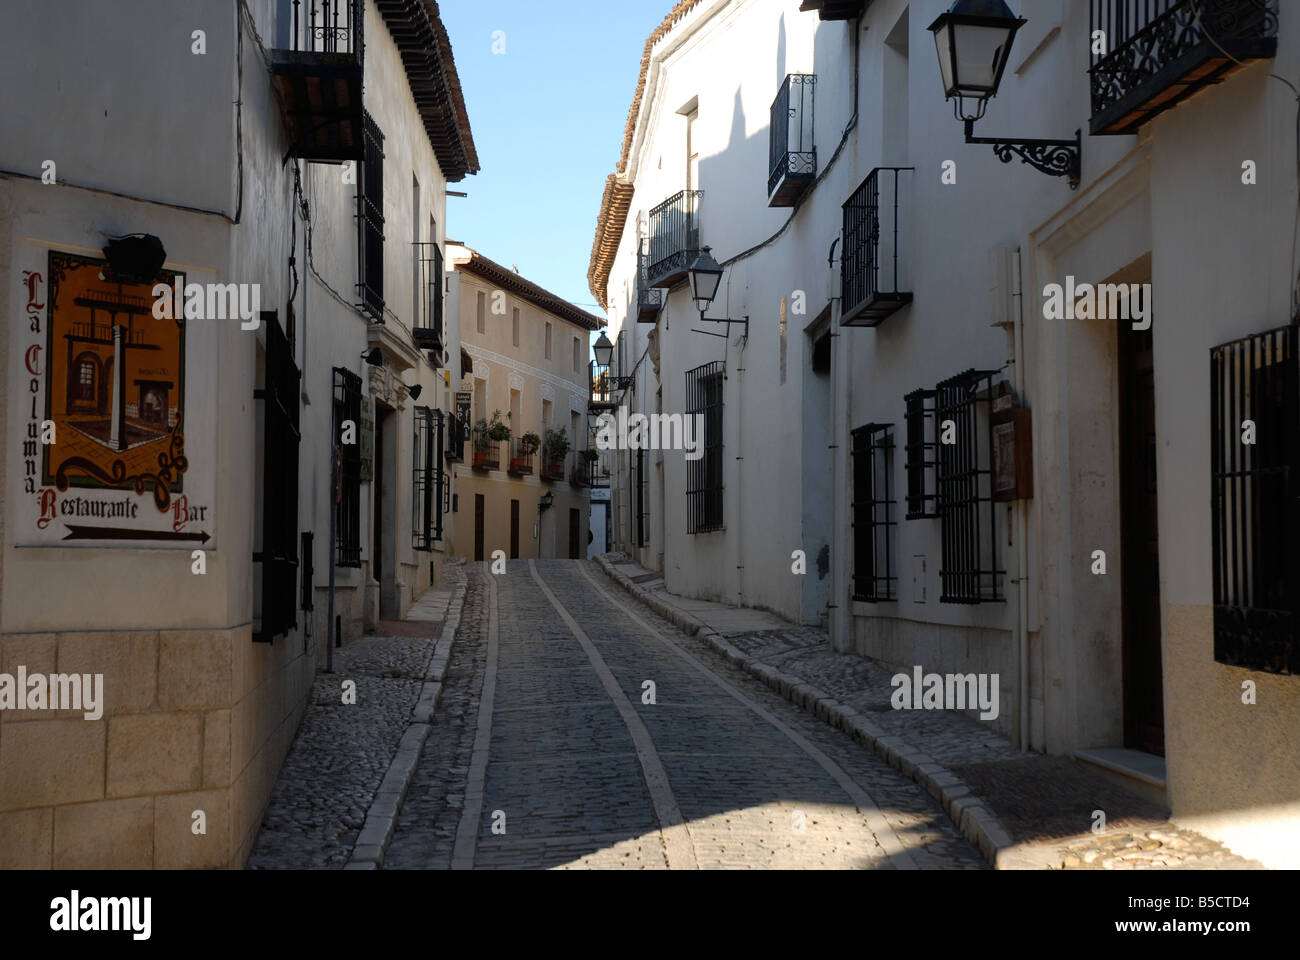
[
  {"x": 1255, "y": 436},
  {"x": 514, "y": 327},
  {"x": 347, "y": 407},
  {"x": 427, "y": 479},
  {"x": 577, "y": 354},
  {"x": 969, "y": 570},
  {"x": 308, "y": 599},
  {"x": 873, "y": 512},
  {"x": 704, "y": 484},
  {"x": 922, "y": 459},
  {"x": 280, "y": 437},
  {"x": 548, "y": 341},
  {"x": 427, "y": 331},
  {"x": 480, "y": 312},
  {"x": 370, "y": 214}
]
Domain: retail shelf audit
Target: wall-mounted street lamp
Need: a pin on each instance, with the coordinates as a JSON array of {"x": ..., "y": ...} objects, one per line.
[
  {"x": 545, "y": 503},
  {"x": 135, "y": 258},
  {"x": 705, "y": 274},
  {"x": 374, "y": 357},
  {"x": 414, "y": 392},
  {"x": 604, "y": 352},
  {"x": 973, "y": 40}
]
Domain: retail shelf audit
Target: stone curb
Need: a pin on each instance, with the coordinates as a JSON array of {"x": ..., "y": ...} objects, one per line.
[
  {"x": 975, "y": 822},
  {"x": 377, "y": 831}
]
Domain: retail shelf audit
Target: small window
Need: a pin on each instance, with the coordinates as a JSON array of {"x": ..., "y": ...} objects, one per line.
[
  {"x": 922, "y": 458},
  {"x": 480, "y": 312},
  {"x": 347, "y": 407},
  {"x": 514, "y": 327},
  {"x": 427, "y": 479},
  {"x": 873, "y": 512},
  {"x": 1255, "y": 387},
  {"x": 969, "y": 571},
  {"x": 577, "y": 354},
  {"x": 548, "y": 341},
  {"x": 639, "y": 498},
  {"x": 704, "y": 487}
]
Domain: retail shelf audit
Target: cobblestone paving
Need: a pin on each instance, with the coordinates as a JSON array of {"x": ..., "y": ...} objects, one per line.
[
  {"x": 565, "y": 772},
  {"x": 342, "y": 751},
  {"x": 1046, "y": 802}
]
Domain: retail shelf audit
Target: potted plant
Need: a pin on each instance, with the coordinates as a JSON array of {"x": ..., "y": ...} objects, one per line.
[
  {"x": 529, "y": 443},
  {"x": 521, "y": 462},
  {"x": 557, "y": 448},
  {"x": 487, "y": 434},
  {"x": 496, "y": 430}
]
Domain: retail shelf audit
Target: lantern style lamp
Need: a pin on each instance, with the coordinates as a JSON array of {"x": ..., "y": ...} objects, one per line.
[
  {"x": 973, "y": 40},
  {"x": 603, "y": 349},
  {"x": 705, "y": 274}
]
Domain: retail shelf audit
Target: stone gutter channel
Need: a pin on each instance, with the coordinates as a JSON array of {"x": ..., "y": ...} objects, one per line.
[
  {"x": 975, "y": 821},
  {"x": 377, "y": 831}
]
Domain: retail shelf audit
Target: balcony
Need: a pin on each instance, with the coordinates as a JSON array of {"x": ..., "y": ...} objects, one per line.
[
  {"x": 649, "y": 300},
  {"x": 487, "y": 452},
  {"x": 873, "y": 268},
  {"x": 319, "y": 79},
  {"x": 585, "y": 470},
  {"x": 521, "y": 456},
  {"x": 455, "y": 450},
  {"x": 834, "y": 9},
  {"x": 1160, "y": 53},
  {"x": 674, "y": 238},
  {"x": 427, "y": 331},
  {"x": 553, "y": 463},
  {"x": 792, "y": 157},
  {"x": 602, "y": 389}
]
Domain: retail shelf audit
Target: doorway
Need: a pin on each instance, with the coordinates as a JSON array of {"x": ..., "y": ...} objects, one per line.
[
  {"x": 514, "y": 529},
  {"x": 383, "y": 555},
  {"x": 478, "y": 526},
  {"x": 1144, "y": 726},
  {"x": 575, "y": 524}
]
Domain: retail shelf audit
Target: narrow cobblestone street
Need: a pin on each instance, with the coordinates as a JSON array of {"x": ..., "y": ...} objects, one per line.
[{"x": 544, "y": 752}]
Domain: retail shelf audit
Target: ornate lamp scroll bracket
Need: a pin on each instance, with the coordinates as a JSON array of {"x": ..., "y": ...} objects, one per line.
[{"x": 1056, "y": 158}]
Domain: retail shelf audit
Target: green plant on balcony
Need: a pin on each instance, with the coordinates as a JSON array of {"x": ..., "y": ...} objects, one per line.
[
  {"x": 529, "y": 443},
  {"x": 493, "y": 430},
  {"x": 557, "y": 444},
  {"x": 591, "y": 456}
]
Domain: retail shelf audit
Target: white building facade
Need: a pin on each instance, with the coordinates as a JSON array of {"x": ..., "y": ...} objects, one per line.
[
  {"x": 174, "y": 533},
  {"x": 914, "y": 441}
]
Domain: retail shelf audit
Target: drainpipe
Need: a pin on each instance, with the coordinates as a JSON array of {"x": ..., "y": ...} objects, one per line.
[{"x": 1022, "y": 507}]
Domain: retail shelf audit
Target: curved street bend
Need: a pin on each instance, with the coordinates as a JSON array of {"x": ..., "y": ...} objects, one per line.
[{"x": 545, "y": 751}]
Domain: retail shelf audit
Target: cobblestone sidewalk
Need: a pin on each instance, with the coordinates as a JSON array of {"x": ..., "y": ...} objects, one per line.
[
  {"x": 1022, "y": 810},
  {"x": 342, "y": 752}
]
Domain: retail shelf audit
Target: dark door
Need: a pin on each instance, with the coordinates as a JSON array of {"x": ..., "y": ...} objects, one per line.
[
  {"x": 575, "y": 548},
  {"x": 514, "y": 529},
  {"x": 478, "y": 526},
  {"x": 1144, "y": 723},
  {"x": 377, "y": 548}
]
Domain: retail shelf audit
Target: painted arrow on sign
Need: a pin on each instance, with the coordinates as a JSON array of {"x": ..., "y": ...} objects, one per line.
[{"x": 117, "y": 533}]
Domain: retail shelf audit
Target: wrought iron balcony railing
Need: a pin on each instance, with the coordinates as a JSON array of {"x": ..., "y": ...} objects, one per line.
[
  {"x": 649, "y": 300},
  {"x": 580, "y": 472},
  {"x": 674, "y": 238},
  {"x": 873, "y": 266},
  {"x": 792, "y": 156},
  {"x": 487, "y": 452},
  {"x": 456, "y": 431},
  {"x": 427, "y": 330},
  {"x": 1158, "y": 53},
  {"x": 552, "y": 464},
  {"x": 521, "y": 458},
  {"x": 317, "y": 69}
]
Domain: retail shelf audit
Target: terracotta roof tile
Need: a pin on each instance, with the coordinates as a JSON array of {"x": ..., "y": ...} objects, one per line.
[{"x": 509, "y": 280}]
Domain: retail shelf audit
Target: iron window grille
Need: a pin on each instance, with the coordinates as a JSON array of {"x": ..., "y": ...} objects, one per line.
[
  {"x": 347, "y": 406},
  {"x": 1159, "y": 52},
  {"x": 370, "y": 214},
  {"x": 1256, "y": 501},
  {"x": 704, "y": 491},
  {"x": 969, "y": 572},
  {"x": 674, "y": 234},
  {"x": 873, "y": 512},
  {"x": 873, "y": 266},
  {"x": 791, "y": 154},
  {"x": 427, "y": 332},
  {"x": 280, "y": 439},
  {"x": 427, "y": 479},
  {"x": 922, "y": 456}
]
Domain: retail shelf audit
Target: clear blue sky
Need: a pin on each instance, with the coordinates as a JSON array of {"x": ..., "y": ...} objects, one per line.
[{"x": 548, "y": 118}]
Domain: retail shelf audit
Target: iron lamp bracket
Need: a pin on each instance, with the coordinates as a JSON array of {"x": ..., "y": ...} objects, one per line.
[{"x": 1056, "y": 158}]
